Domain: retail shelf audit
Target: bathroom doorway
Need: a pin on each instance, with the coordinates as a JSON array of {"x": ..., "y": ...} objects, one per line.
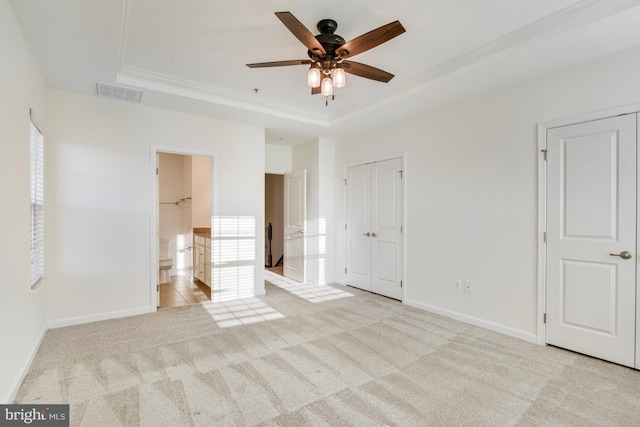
[{"x": 183, "y": 238}]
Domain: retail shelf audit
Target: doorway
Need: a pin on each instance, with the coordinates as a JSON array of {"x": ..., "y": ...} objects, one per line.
[
  {"x": 285, "y": 223},
  {"x": 184, "y": 200},
  {"x": 274, "y": 222},
  {"x": 591, "y": 238}
]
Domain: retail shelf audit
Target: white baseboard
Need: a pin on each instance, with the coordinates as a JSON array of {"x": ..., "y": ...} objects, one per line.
[
  {"x": 495, "y": 327},
  {"x": 13, "y": 391},
  {"x": 79, "y": 320}
]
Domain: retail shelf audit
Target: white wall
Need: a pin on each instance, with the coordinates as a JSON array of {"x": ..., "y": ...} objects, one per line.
[
  {"x": 170, "y": 177},
  {"x": 201, "y": 169},
  {"x": 471, "y": 183},
  {"x": 187, "y": 180},
  {"x": 100, "y": 185},
  {"x": 277, "y": 159},
  {"x": 22, "y": 313}
]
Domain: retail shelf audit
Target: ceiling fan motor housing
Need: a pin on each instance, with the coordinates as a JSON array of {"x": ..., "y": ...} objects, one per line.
[{"x": 327, "y": 39}]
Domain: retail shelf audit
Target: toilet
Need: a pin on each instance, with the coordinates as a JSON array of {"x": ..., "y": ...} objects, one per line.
[{"x": 166, "y": 262}]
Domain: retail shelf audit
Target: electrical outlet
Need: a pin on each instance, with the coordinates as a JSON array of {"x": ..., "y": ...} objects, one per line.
[
  {"x": 458, "y": 285},
  {"x": 468, "y": 286}
]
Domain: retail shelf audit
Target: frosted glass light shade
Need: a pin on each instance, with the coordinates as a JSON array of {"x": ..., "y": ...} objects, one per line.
[
  {"x": 339, "y": 77},
  {"x": 313, "y": 79},
  {"x": 327, "y": 87}
]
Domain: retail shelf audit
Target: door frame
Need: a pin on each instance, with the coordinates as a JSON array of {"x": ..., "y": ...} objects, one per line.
[
  {"x": 403, "y": 214},
  {"x": 542, "y": 211},
  {"x": 154, "y": 209}
]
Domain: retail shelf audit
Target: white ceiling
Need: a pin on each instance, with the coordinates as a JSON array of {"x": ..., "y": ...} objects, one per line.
[{"x": 190, "y": 55}]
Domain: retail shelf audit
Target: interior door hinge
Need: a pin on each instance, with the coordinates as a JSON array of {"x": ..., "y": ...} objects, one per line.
[
  {"x": 157, "y": 288},
  {"x": 544, "y": 235},
  {"x": 400, "y": 283},
  {"x": 345, "y": 181},
  {"x": 544, "y": 318},
  {"x": 157, "y": 171},
  {"x": 345, "y": 226},
  {"x": 544, "y": 152},
  {"x": 400, "y": 174},
  {"x": 345, "y": 270}
]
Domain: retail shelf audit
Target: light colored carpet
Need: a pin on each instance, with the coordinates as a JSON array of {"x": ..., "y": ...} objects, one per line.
[{"x": 321, "y": 356}]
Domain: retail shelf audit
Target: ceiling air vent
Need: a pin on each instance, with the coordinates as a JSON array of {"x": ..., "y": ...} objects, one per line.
[{"x": 118, "y": 92}]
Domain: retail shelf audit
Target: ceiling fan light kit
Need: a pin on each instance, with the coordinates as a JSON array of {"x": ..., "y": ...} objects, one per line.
[
  {"x": 339, "y": 77},
  {"x": 314, "y": 77},
  {"x": 327, "y": 86},
  {"x": 327, "y": 53}
]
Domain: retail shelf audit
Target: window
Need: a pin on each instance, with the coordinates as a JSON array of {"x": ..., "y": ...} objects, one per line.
[{"x": 36, "y": 173}]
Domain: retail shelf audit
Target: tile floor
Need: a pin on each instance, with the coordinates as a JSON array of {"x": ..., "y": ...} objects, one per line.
[{"x": 183, "y": 291}]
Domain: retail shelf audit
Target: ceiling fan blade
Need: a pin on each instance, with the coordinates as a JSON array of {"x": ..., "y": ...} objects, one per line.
[
  {"x": 301, "y": 32},
  {"x": 315, "y": 90},
  {"x": 370, "y": 40},
  {"x": 366, "y": 71},
  {"x": 279, "y": 63}
]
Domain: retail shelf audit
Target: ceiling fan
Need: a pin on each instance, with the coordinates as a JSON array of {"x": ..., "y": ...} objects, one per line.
[{"x": 328, "y": 53}]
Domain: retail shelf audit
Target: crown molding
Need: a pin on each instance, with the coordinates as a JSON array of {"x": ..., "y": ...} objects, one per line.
[
  {"x": 562, "y": 19},
  {"x": 576, "y": 14},
  {"x": 151, "y": 80},
  {"x": 195, "y": 90}
]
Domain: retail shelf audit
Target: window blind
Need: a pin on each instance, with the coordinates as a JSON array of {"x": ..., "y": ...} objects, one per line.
[{"x": 36, "y": 171}]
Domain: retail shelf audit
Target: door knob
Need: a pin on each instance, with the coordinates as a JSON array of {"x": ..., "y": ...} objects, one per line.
[
  {"x": 366, "y": 234},
  {"x": 623, "y": 255},
  {"x": 373, "y": 234}
]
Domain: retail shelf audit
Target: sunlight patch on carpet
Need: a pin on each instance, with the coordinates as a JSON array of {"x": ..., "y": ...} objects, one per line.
[
  {"x": 241, "y": 312},
  {"x": 311, "y": 293}
]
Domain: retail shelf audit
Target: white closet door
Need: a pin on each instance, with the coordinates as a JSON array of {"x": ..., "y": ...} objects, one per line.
[
  {"x": 591, "y": 218},
  {"x": 386, "y": 221},
  {"x": 359, "y": 226},
  {"x": 374, "y": 227}
]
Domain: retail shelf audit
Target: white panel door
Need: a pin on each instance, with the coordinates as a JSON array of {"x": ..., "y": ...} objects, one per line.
[
  {"x": 374, "y": 227},
  {"x": 591, "y": 219},
  {"x": 359, "y": 226},
  {"x": 157, "y": 240},
  {"x": 386, "y": 222},
  {"x": 295, "y": 217}
]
